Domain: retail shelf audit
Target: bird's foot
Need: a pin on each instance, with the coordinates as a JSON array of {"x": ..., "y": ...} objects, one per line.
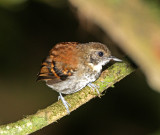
[
  {"x": 94, "y": 87},
  {"x": 65, "y": 103}
]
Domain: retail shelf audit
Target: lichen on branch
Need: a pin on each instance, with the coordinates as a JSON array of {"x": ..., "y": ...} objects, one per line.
[{"x": 56, "y": 111}]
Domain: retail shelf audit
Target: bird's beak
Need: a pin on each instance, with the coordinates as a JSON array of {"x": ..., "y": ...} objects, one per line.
[{"x": 114, "y": 58}]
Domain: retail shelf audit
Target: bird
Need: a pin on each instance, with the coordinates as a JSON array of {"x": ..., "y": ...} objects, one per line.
[{"x": 71, "y": 66}]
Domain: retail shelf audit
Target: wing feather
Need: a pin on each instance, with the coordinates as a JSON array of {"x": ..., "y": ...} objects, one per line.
[{"x": 59, "y": 66}]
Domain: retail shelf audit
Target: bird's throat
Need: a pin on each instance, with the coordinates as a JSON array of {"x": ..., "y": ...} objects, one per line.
[{"x": 96, "y": 68}]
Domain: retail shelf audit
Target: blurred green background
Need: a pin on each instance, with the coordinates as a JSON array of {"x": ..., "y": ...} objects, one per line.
[{"x": 28, "y": 30}]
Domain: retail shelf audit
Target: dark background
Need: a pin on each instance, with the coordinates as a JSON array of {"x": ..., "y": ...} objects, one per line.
[{"x": 27, "y": 32}]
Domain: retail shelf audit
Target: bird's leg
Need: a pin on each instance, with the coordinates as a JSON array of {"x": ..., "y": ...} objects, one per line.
[
  {"x": 65, "y": 103},
  {"x": 94, "y": 87}
]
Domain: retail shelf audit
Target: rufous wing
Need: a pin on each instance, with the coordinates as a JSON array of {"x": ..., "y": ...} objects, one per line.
[{"x": 60, "y": 64}]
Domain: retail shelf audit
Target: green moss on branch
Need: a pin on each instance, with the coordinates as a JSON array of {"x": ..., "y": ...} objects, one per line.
[{"x": 57, "y": 110}]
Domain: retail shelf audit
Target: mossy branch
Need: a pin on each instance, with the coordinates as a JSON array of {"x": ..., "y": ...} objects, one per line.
[{"x": 57, "y": 110}]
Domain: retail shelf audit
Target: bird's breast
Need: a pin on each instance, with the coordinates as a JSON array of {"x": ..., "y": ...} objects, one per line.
[{"x": 95, "y": 68}]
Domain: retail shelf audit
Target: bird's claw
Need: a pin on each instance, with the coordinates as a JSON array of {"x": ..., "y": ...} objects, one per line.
[
  {"x": 94, "y": 87},
  {"x": 65, "y": 103}
]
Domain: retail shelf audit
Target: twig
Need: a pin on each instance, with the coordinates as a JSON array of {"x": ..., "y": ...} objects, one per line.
[{"x": 57, "y": 110}]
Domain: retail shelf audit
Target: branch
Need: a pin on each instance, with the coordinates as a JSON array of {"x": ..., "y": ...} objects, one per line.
[{"x": 57, "y": 110}]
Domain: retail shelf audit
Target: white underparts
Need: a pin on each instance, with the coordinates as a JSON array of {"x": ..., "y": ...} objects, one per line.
[{"x": 98, "y": 67}]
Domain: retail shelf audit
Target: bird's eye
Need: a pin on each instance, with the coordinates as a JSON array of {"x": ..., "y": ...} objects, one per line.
[{"x": 100, "y": 54}]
